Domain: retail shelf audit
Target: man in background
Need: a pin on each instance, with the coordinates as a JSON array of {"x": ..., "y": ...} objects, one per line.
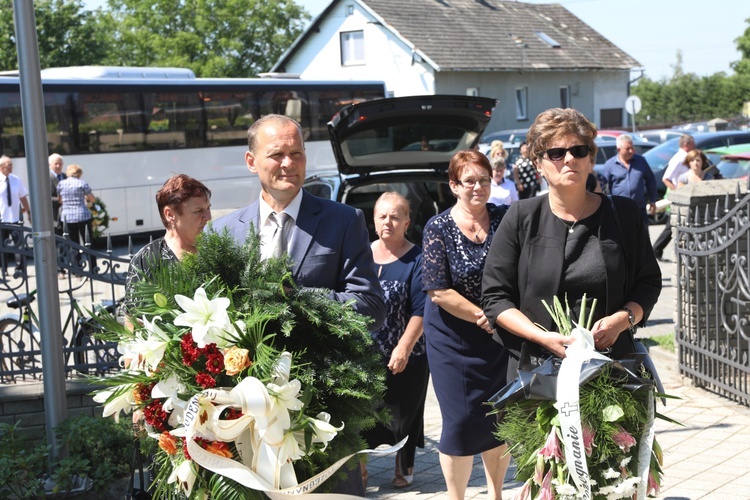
[
  {"x": 675, "y": 169},
  {"x": 12, "y": 199},
  {"x": 628, "y": 174},
  {"x": 55, "y": 176}
]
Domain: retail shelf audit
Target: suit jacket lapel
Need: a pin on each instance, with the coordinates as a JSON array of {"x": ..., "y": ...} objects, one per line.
[{"x": 307, "y": 223}]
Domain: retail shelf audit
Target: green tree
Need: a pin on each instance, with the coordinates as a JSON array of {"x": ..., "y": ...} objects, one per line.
[
  {"x": 214, "y": 38},
  {"x": 742, "y": 67},
  {"x": 67, "y": 33}
]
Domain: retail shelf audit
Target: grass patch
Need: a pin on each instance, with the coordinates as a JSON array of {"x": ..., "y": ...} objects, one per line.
[{"x": 664, "y": 341}]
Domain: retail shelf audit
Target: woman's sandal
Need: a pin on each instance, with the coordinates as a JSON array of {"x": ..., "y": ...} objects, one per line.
[{"x": 402, "y": 481}]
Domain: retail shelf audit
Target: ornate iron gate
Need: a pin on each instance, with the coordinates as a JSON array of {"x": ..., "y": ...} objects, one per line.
[
  {"x": 88, "y": 281},
  {"x": 712, "y": 245}
]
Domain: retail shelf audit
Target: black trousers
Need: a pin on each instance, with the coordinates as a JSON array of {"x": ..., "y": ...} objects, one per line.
[{"x": 663, "y": 239}]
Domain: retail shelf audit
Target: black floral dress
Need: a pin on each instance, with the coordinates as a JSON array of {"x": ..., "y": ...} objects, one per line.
[{"x": 466, "y": 364}]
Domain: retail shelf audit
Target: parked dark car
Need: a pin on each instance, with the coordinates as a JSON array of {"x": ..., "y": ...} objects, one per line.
[
  {"x": 658, "y": 157},
  {"x": 373, "y": 143},
  {"x": 658, "y": 136}
]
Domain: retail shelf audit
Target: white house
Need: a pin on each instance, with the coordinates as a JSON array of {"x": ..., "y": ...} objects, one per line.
[{"x": 530, "y": 57}]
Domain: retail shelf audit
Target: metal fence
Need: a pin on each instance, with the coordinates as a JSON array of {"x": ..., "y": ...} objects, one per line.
[
  {"x": 712, "y": 245},
  {"x": 88, "y": 280}
]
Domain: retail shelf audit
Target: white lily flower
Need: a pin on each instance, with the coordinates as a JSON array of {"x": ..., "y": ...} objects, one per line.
[
  {"x": 124, "y": 402},
  {"x": 129, "y": 359},
  {"x": 185, "y": 474},
  {"x": 168, "y": 388},
  {"x": 282, "y": 369},
  {"x": 286, "y": 395},
  {"x": 205, "y": 417},
  {"x": 153, "y": 346},
  {"x": 323, "y": 431},
  {"x": 290, "y": 450},
  {"x": 208, "y": 319}
]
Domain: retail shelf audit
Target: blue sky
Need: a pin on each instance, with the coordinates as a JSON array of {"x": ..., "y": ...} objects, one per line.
[{"x": 652, "y": 31}]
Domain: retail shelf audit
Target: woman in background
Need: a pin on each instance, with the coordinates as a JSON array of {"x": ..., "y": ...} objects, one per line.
[
  {"x": 74, "y": 192},
  {"x": 502, "y": 191},
  {"x": 466, "y": 365},
  {"x": 400, "y": 340},
  {"x": 184, "y": 206},
  {"x": 696, "y": 161}
]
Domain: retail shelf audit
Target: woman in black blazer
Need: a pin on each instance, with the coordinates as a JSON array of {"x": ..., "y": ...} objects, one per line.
[{"x": 567, "y": 243}]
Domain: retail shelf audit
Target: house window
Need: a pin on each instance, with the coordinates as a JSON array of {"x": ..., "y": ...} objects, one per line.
[
  {"x": 472, "y": 91},
  {"x": 522, "y": 103},
  {"x": 565, "y": 96},
  {"x": 352, "y": 48}
]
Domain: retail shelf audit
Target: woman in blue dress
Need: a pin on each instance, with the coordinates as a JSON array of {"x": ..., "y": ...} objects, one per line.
[
  {"x": 399, "y": 265},
  {"x": 466, "y": 364}
]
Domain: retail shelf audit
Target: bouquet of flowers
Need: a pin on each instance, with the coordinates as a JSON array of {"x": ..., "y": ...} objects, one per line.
[
  {"x": 581, "y": 427},
  {"x": 247, "y": 382},
  {"x": 100, "y": 217}
]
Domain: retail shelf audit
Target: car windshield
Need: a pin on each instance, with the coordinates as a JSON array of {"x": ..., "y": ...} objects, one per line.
[
  {"x": 733, "y": 169},
  {"x": 405, "y": 137},
  {"x": 659, "y": 157},
  {"x": 426, "y": 199}
]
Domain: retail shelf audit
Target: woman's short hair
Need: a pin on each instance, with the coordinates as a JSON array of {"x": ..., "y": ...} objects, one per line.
[
  {"x": 397, "y": 199},
  {"x": 177, "y": 190},
  {"x": 556, "y": 123},
  {"x": 74, "y": 170},
  {"x": 498, "y": 162},
  {"x": 692, "y": 155},
  {"x": 463, "y": 159}
]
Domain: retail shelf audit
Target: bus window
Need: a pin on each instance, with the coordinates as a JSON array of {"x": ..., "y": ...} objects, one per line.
[
  {"x": 109, "y": 122},
  {"x": 175, "y": 120},
  {"x": 291, "y": 103},
  {"x": 57, "y": 113},
  {"x": 11, "y": 126},
  {"x": 228, "y": 116}
]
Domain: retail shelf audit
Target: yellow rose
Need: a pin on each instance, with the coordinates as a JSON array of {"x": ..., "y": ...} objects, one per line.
[{"x": 236, "y": 360}]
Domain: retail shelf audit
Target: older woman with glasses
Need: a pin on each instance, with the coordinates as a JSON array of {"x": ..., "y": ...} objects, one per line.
[
  {"x": 568, "y": 243},
  {"x": 467, "y": 366}
]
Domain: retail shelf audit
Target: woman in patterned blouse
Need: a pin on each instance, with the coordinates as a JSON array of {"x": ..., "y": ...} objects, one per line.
[{"x": 400, "y": 340}]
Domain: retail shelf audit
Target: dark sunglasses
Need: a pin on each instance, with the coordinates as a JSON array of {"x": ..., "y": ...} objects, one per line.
[{"x": 557, "y": 154}]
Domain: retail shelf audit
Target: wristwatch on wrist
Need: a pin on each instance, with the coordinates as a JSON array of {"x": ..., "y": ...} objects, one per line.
[{"x": 631, "y": 317}]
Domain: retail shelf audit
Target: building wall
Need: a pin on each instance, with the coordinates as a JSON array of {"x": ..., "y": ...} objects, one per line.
[
  {"x": 388, "y": 58},
  {"x": 392, "y": 60}
]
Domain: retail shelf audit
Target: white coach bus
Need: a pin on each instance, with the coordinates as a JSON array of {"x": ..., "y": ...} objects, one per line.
[{"x": 132, "y": 128}]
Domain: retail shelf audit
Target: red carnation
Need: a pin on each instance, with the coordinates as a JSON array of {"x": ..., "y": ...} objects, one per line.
[
  {"x": 215, "y": 362},
  {"x": 205, "y": 380}
]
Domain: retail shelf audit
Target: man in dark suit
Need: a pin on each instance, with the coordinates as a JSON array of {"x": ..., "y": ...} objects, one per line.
[
  {"x": 55, "y": 176},
  {"x": 327, "y": 241}
]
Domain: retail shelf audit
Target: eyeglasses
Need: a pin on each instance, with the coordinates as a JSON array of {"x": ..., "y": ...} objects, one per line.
[
  {"x": 557, "y": 154},
  {"x": 470, "y": 183}
]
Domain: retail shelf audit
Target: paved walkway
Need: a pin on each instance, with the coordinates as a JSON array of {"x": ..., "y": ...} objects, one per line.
[{"x": 707, "y": 458}]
